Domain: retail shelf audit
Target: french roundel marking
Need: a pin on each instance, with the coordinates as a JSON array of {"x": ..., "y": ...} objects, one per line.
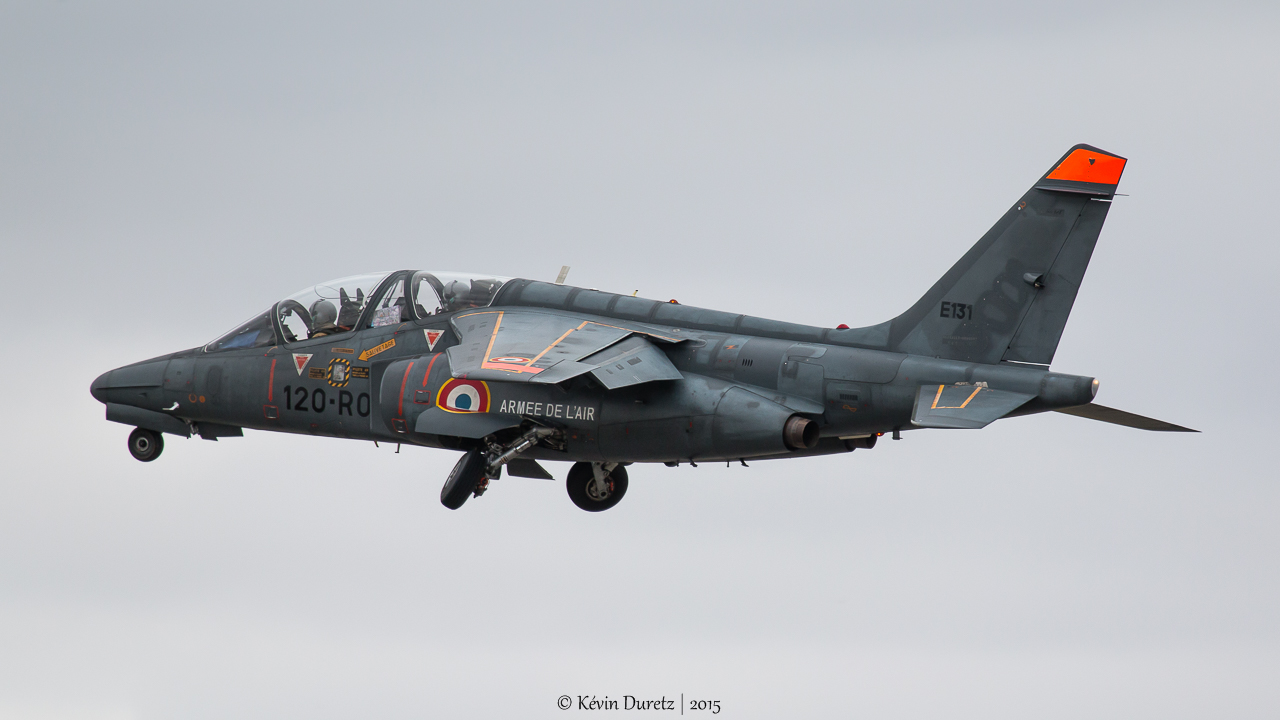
[
  {"x": 463, "y": 396},
  {"x": 510, "y": 360}
]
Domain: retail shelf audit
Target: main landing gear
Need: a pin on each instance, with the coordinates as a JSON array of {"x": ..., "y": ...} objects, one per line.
[
  {"x": 592, "y": 486},
  {"x": 596, "y": 486},
  {"x": 145, "y": 445}
]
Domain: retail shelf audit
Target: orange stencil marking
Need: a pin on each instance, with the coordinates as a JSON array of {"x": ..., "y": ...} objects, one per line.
[
  {"x": 510, "y": 368},
  {"x": 489, "y": 364},
  {"x": 488, "y": 353},
  {"x": 1089, "y": 166},
  {"x": 557, "y": 342},
  {"x": 272, "y": 381},
  {"x": 961, "y": 406}
]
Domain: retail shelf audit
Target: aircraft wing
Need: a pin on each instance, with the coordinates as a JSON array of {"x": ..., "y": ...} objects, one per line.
[
  {"x": 536, "y": 346},
  {"x": 1120, "y": 417}
]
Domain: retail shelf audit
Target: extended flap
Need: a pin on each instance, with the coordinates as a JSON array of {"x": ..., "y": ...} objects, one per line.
[
  {"x": 963, "y": 407},
  {"x": 561, "y": 371},
  {"x": 631, "y": 362}
]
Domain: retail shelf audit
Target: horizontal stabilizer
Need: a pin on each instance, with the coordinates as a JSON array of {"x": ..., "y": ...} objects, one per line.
[
  {"x": 1120, "y": 417},
  {"x": 963, "y": 407}
]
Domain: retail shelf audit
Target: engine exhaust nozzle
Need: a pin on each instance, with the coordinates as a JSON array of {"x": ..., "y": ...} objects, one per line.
[{"x": 800, "y": 433}]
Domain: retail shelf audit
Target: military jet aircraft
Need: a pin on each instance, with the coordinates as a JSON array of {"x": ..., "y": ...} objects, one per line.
[{"x": 511, "y": 372}]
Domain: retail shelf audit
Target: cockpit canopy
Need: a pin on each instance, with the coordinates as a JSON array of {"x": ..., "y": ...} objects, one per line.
[{"x": 361, "y": 301}]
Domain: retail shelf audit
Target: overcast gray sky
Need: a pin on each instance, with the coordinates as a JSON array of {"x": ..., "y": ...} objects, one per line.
[{"x": 165, "y": 172}]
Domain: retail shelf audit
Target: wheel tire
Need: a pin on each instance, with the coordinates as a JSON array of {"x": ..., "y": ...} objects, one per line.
[
  {"x": 581, "y": 477},
  {"x": 145, "y": 445},
  {"x": 462, "y": 480}
]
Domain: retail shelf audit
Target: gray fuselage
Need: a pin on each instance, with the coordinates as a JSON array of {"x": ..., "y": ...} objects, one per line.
[{"x": 743, "y": 377}]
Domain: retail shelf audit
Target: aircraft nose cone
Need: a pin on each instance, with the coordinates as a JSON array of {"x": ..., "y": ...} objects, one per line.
[
  {"x": 137, "y": 377},
  {"x": 99, "y": 385}
]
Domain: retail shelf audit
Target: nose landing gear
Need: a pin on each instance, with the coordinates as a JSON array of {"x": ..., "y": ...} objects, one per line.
[
  {"x": 145, "y": 445},
  {"x": 596, "y": 486},
  {"x": 463, "y": 479},
  {"x": 473, "y": 472}
]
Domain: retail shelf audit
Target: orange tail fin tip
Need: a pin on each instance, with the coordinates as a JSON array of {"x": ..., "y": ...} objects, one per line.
[{"x": 1089, "y": 166}]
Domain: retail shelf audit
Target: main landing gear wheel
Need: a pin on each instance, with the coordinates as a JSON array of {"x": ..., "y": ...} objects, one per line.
[
  {"x": 145, "y": 445},
  {"x": 463, "y": 479},
  {"x": 595, "y": 491}
]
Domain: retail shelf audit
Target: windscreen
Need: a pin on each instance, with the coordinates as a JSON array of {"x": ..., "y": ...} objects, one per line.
[{"x": 258, "y": 332}]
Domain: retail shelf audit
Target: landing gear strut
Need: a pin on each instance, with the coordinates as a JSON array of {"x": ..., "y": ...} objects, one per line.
[
  {"x": 473, "y": 472},
  {"x": 145, "y": 445},
  {"x": 596, "y": 486}
]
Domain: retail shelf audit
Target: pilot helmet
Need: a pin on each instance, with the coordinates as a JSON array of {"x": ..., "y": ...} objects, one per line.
[
  {"x": 323, "y": 314},
  {"x": 456, "y": 292}
]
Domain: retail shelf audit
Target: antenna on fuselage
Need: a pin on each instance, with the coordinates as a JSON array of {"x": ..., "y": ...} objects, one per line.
[{"x": 564, "y": 273}]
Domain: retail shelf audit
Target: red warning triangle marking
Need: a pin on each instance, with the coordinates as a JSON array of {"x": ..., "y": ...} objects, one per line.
[
  {"x": 300, "y": 361},
  {"x": 432, "y": 337}
]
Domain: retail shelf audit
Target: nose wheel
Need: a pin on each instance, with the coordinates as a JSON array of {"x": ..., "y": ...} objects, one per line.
[
  {"x": 596, "y": 486},
  {"x": 463, "y": 479},
  {"x": 145, "y": 445}
]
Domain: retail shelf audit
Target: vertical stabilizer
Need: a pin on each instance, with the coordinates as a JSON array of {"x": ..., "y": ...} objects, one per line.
[{"x": 1008, "y": 298}]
